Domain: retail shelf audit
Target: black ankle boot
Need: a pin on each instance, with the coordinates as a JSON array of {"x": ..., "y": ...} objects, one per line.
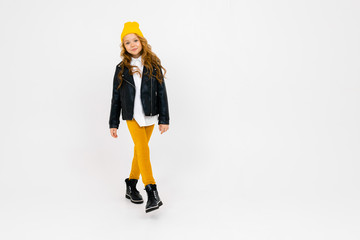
[
  {"x": 153, "y": 201},
  {"x": 131, "y": 192}
]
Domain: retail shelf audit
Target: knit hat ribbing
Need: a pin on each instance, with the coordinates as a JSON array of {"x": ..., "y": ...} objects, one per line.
[{"x": 131, "y": 27}]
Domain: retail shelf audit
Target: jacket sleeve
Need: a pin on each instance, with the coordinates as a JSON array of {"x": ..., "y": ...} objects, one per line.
[
  {"x": 163, "y": 102},
  {"x": 115, "y": 110}
]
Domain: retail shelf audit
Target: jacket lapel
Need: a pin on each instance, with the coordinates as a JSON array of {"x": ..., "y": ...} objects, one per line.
[{"x": 130, "y": 77}]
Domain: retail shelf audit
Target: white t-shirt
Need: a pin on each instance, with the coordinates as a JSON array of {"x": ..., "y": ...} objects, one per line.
[{"x": 139, "y": 114}]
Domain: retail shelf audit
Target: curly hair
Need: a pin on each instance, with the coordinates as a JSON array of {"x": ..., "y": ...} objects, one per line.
[{"x": 149, "y": 61}]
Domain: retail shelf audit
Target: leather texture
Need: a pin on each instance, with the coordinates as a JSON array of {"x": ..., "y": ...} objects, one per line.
[
  {"x": 153, "y": 97},
  {"x": 154, "y": 201},
  {"x": 131, "y": 192}
]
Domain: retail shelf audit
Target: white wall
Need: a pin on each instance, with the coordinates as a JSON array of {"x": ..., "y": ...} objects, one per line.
[{"x": 264, "y": 120}]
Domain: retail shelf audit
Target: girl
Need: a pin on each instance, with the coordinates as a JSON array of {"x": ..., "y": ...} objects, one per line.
[{"x": 139, "y": 91}]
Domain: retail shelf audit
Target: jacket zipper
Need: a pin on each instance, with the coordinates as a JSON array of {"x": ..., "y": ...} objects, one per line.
[
  {"x": 151, "y": 97},
  {"x": 129, "y": 82},
  {"x": 150, "y": 94}
]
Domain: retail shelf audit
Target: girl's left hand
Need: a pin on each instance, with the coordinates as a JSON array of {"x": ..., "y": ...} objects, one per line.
[{"x": 163, "y": 128}]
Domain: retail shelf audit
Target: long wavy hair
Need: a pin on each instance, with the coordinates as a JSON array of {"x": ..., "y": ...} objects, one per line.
[{"x": 148, "y": 58}]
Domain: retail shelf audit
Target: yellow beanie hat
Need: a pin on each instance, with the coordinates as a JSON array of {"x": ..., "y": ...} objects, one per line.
[{"x": 131, "y": 27}]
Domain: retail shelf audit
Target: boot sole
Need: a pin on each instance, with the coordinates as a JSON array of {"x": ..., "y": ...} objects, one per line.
[
  {"x": 154, "y": 208},
  {"x": 134, "y": 201}
]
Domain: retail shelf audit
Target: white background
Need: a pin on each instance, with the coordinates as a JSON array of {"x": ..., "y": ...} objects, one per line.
[{"x": 264, "y": 130}]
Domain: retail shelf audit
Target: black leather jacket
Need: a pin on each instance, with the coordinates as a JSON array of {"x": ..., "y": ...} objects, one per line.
[{"x": 153, "y": 98}]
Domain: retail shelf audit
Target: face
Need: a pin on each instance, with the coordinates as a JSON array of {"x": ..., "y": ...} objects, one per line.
[{"x": 132, "y": 44}]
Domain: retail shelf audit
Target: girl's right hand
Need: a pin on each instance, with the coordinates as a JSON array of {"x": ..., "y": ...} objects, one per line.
[{"x": 113, "y": 132}]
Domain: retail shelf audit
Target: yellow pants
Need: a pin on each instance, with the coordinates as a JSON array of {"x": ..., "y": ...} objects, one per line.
[{"x": 141, "y": 161}]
